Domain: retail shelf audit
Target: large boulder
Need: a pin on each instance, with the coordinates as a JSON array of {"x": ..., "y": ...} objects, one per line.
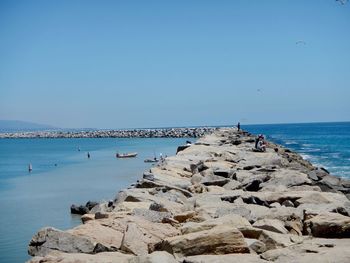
[
  {"x": 79, "y": 209},
  {"x": 287, "y": 178},
  {"x": 272, "y": 240},
  {"x": 251, "y": 212},
  {"x": 51, "y": 239},
  {"x": 107, "y": 238},
  {"x": 328, "y": 225},
  {"x": 135, "y": 241},
  {"x": 141, "y": 235},
  {"x": 218, "y": 240},
  {"x": 312, "y": 250},
  {"x": 229, "y": 220},
  {"x": 273, "y": 225}
]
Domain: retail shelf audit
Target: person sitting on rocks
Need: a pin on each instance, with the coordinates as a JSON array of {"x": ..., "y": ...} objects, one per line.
[
  {"x": 261, "y": 145},
  {"x": 257, "y": 140}
]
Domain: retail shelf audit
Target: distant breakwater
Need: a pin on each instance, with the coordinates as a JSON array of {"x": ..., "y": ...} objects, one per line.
[{"x": 130, "y": 133}]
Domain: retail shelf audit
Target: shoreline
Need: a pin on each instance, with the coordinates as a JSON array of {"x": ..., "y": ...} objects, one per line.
[
  {"x": 256, "y": 207},
  {"x": 128, "y": 133}
]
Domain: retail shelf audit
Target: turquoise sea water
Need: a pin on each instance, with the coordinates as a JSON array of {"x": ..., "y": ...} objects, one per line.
[{"x": 29, "y": 201}]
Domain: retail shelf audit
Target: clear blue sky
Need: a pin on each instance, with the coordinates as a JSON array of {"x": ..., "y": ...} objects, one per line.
[{"x": 114, "y": 64}]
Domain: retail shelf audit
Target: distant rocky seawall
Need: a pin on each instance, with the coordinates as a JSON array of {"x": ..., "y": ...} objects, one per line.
[
  {"x": 215, "y": 201},
  {"x": 132, "y": 133}
]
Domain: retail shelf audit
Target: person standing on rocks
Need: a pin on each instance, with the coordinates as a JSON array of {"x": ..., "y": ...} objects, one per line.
[{"x": 238, "y": 126}]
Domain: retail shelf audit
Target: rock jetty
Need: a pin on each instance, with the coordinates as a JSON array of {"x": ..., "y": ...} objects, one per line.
[
  {"x": 131, "y": 133},
  {"x": 215, "y": 201}
]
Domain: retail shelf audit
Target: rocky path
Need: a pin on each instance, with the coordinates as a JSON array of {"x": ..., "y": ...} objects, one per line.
[{"x": 215, "y": 201}]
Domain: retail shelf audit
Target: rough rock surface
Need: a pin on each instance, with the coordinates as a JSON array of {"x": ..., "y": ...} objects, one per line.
[
  {"x": 218, "y": 240},
  {"x": 241, "y": 258},
  {"x": 217, "y": 200},
  {"x": 50, "y": 239}
]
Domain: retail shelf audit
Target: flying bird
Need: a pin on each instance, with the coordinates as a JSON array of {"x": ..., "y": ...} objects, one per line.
[{"x": 300, "y": 42}]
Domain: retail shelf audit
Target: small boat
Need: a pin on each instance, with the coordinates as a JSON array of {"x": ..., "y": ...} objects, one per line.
[
  {"x": 154, "y": 160},
  {"x": 125, "y": 155}
]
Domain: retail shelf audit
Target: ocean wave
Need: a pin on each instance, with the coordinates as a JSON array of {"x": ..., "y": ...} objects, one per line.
[
  {"x": 306, "y": 156},
  {"x": 335, "y": 155},
  {"x": 291, "y": 142},
  {"x": 311, "y": 150},
  {"x": 315, "y": 161},
  {"x": 307, "y": 145},
  {"x": 341, "y": 173}
]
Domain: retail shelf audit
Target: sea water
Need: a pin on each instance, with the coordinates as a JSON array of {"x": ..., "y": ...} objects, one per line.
[
  {"x": 63, "y": 175},
  {"x": 323, "y": 144}
]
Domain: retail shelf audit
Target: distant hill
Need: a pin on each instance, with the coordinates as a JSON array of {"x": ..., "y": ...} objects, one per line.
[{"x": 18, "y": 126}]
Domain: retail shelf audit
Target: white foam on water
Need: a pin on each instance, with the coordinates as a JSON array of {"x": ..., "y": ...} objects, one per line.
[
  {"x": 291, "y": 142},
  {"x": 311, "y": 150},
  {"x": 307, "y": 144},
  {"x": 335, "y": 155},
  {"x": 306, "y": 156}
]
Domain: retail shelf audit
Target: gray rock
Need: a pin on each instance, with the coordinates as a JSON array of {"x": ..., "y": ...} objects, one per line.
[
  {"x": 328, "y": 225},
  {"x": 51, "y": 239},
  {"x": 256, "y": 245},
  {"x": 80, "y": 210},
  {"x": 100, "y": 215},
  {"x": 218, "y": 240},
  {"x": 181, "y": 148},
  {"x": 148, "y": 176},
  {"x": 313, "y": 175},
  {"x": 232, "y": 185},
  {"x": 155, "y": 257},
  {"x": 225, "y": 173},
  {"x": 273, "y": 225},
  {"x": 151, "y": 215},
  {"x": 218, "y": 182},
  {"x": 288, "y": 203}
]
